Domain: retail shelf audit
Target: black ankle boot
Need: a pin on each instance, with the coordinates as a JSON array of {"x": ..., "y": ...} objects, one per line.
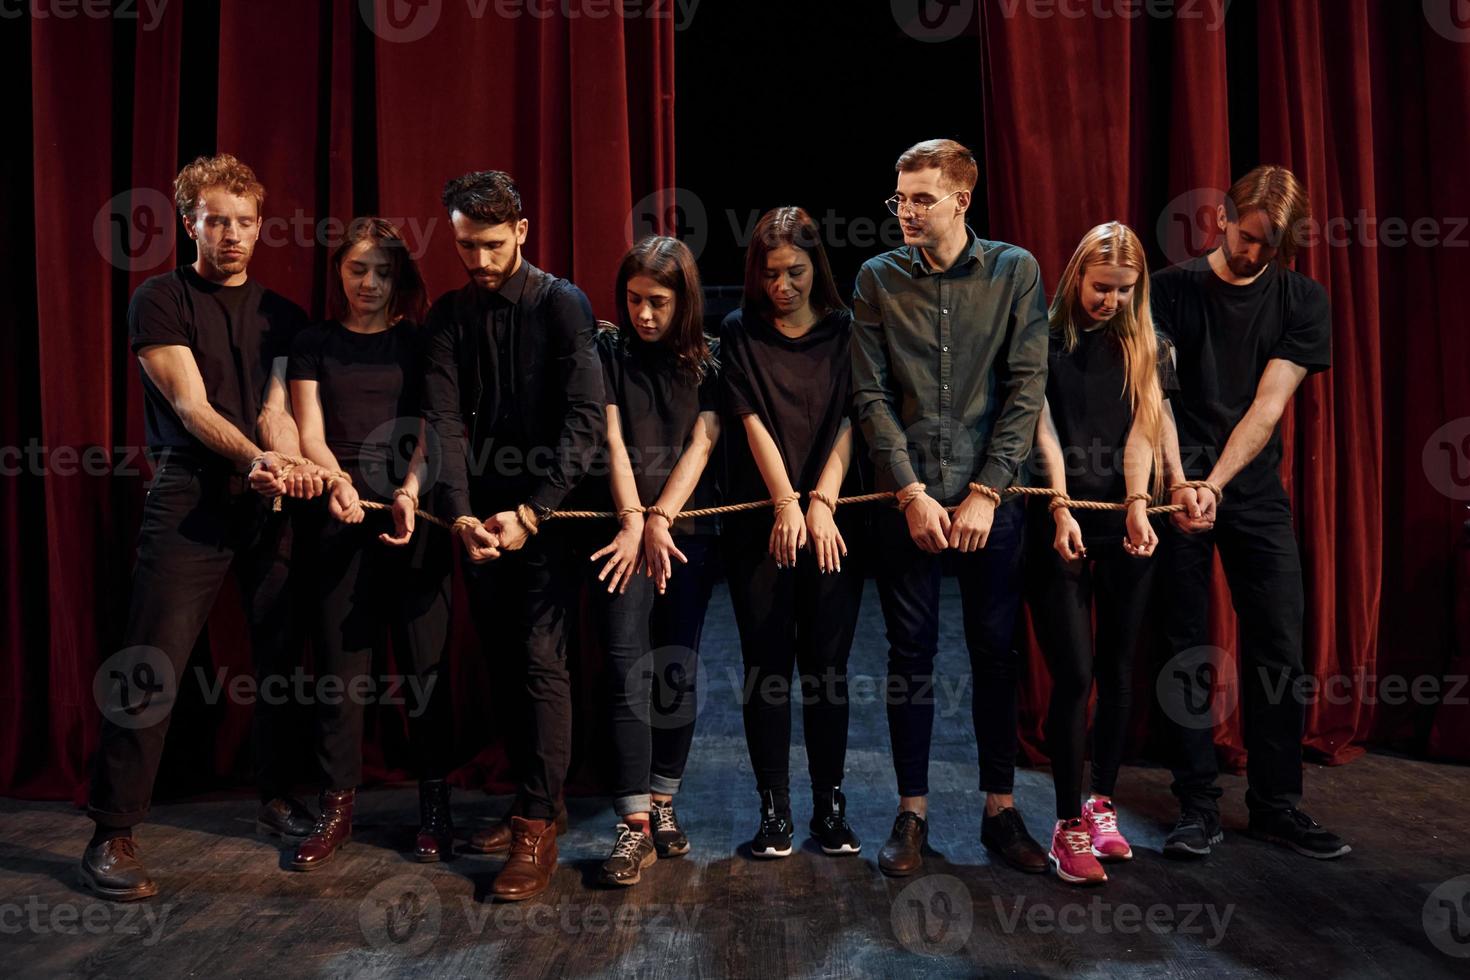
[{"x": 435, "y": 841}]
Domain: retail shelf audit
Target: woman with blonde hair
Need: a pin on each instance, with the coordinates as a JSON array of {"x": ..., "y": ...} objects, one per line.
[{"x": 1100, "y": 437}]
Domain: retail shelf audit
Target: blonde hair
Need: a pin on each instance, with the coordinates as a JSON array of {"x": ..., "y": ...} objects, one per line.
[
  {"x": 1276, "y": 192},
  {"x": 956, "y": 164},
  {"x": 1114, "y": 243},
  {"x": 224, "y": 171}
]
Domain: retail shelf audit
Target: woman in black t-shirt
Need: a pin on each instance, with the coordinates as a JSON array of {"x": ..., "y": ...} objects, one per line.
[
  {"x": 662, "y": 425},
  {"x": 787, "y": 368},
  {"x": 354, "y": 391},
  {"x": 1099, "y": 438}
]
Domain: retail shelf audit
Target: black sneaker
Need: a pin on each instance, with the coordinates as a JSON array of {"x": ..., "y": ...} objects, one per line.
[
  {"x": 829, "y": 823},
  {"x": 1297, "y": 831},
  {"x": 668, "y": 836},
  {"x": 773, "y": 839},
  {"x": 1193, "y": 834},
  {"x": 632, "y": 852}
]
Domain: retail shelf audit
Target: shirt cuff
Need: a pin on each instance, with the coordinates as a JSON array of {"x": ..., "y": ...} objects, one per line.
[
  {"x": 901, "y": 472},
  {"x": 457, "y": 505},
  {"x": 997, "y": 473},
  {"x": 546, "y": 495}
]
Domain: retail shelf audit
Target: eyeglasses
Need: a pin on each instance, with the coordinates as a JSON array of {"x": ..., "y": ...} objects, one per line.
[{"x": 896, "y": 205}]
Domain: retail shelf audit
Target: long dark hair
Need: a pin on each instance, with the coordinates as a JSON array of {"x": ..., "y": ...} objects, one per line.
[
  {"x": 668, "y": 262},
  {"x": 409, "y": 299},
  {"x": 788, "y": 226}
]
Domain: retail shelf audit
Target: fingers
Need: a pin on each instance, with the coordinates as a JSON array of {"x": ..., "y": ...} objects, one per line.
[
  {"x": 679, "y": 555},
  {"x": 609, "y": 549}
]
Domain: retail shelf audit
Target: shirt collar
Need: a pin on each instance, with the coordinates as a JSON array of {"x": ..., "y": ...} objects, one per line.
[
  {"x": 973, "y": 253},
  {"x": 516, "y": 284}
]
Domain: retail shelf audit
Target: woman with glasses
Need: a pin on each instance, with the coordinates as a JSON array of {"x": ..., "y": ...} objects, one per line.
[
  {"x": 1099, "y": 438},
  {"x": 653, "y": 579},
  {"x": 795, "y": 591}
]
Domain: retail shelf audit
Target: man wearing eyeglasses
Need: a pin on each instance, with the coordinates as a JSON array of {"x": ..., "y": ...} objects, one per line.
[{"x": 949, "y": 371}]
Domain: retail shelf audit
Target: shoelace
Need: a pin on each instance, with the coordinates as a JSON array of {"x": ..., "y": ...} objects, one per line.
[
  {"x": 1077, "y": 841},
  {"x": 1303, "y": 821},
  {"x": 628, "y": 842},
  {"x": 908, "y": 822},
  {"x": 125, "y": 846},
  {"x": 1105, "y": 820},
  {"x": 663, "y": 818}
]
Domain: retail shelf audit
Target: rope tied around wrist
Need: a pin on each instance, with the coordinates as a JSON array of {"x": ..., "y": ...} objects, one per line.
[
  {"x": 784, "y": 501},
  {"x": 1199, "y": 485},
  {"x": 825, "y": 498},
  {"x": 986, "y": 491}
]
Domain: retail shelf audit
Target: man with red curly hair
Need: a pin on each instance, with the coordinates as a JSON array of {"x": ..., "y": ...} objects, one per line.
[{"x": 212, "y": 345}]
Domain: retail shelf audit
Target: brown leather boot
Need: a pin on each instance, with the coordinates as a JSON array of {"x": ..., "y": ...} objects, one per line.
[
  {"x": 333, "y": 829},
  {"x": 435, "y": 841},
  {"x": 495, "y": 839},
  {"x": 532, "y": 859}
]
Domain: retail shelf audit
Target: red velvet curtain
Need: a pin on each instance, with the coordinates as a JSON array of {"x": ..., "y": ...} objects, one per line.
[
  {"x": 1092, "y": 119},
  {"x": 341, "y": 108}
]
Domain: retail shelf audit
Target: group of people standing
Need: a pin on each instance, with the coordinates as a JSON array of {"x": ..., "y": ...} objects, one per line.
[{"x": 946, "y": 379}]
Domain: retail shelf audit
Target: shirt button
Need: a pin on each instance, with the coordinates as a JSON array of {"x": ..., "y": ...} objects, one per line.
[
  {"x": 946, "y": 387},
  {"x": 944, "y": 462},
  {"x": 945, "y": 311},
  {"x": 945, "y": 348}
]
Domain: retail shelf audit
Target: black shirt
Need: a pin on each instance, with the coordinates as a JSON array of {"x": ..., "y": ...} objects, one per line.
[
  {"x": 1223, "y": 335},
  {"x": 234, "y": 332},
  {"x": 800, "y": 389},
  {"x": 658, "y": 402},
  {"x": 1093, "y": 414},
  {"x": 369, "y": 387}
]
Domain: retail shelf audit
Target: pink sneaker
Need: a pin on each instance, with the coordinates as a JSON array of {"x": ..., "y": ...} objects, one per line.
[
  {"x": 1071, "y": 854},
  {"x": 1101, "y": 818}
]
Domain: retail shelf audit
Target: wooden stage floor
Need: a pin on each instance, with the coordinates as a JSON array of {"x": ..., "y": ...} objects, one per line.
[{"x": 1399, "y": 905}]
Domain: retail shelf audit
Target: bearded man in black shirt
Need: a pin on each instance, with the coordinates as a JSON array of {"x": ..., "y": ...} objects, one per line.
[
  {"x": 513, "y": 383},
  {"x": 1247, "y": 329},
  {"x": 212, "y": 345}
]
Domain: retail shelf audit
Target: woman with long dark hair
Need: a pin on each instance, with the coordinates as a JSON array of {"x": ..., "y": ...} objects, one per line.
[
  {"x": 653, "y": 579},
  {"x": 1100, "y": 437},
  {"x": 354, "y": 383},
  {"x": 787, "y": 370}
]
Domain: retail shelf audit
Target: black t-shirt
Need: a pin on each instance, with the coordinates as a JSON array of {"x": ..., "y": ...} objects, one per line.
[
  {"x": 369, "y": 385},
  {"x": 234, "y": 332},
  {"x": 800, "y": 389},
  {"x": 1093, "y": 414},
  {"x": 658, "y": 401},
  {"x": 1223, "y": 335}
]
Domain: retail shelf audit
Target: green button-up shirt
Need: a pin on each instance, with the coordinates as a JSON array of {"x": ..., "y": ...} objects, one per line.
[{"x": 949, "y": 368}]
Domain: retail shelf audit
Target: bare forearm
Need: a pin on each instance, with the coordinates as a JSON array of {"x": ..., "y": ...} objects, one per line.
[
  {"x": 1173, "y": 464},
  {"x": 835, "y": 470},
  {"x": 278, "y": 432},
  {"x": 1246, "y": 441},
  {"x": 1138, "y": 461},
  {"x": 685, "y": 477},
  {"x": 320, "y": 453},
  {"x": 218, "y": 435},
  {"x": 767, "y": 459}
]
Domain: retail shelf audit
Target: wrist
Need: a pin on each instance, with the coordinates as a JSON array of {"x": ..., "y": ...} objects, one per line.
[
  {"x": 909, "y": 494},
  {"x": 986, "y": 492}
]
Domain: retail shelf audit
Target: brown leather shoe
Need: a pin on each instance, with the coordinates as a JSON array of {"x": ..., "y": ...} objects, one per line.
[
  {"x": 495, "y": 839},
  {"x": 333, "y": 829},
  {"x": 532, "y": 860},
  {"x": 435, "y": 840},
  {"x": 112, "y": 870},
  {"x": 285, "y": 818},
  {"x": 903, "y": 852}
]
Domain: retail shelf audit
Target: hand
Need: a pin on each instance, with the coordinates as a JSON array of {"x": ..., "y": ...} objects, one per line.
[
  {"x": 265, "y": 474},
  {"x": 344, "y": 504},
  {"x": 969, "y": 529},
  {"x": 928, "y": 524},
  {"x": 507, "y": 528},
  {"x": 1068, "y": 541},
  {"x": 626, "y": 551},
  {"x": 827, "y": 543},
  {"x": 658, "y": 548},
  {"x": 403, "y": 516},
  {"x": 306, "y": 482},
  {"x": 788, "y": 535},
  {"x": 479, "y": 544},
  {"x": 1192, "y": 520},
  {"x": 1141, "y": 539}
]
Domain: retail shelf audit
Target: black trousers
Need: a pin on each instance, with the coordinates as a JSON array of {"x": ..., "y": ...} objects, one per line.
[
  {"x": 1063, "y": 596},
  {"x": 366, "y": 592},
  {"x": 1258, "y": 550},
  {"x": 652, "y": 644},
  {"x": 793, "y": 618},
  {"x": 520, "y": 603},
  {"x": 990, "y": 597},
  {"x": 198, "y": 523}
]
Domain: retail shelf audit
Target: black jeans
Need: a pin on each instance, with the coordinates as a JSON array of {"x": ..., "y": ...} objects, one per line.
[
  {"x": 793, "y": 618},
  {"x": 520, "y": 603},
  {"x": 366, "y": 592},
  {"x": 652, "y": 646},
  {"x": 1258, "y": 549},
  {"x": 990, "y": 597},
  {"x": 198, "y": 523},
  {"x": 1062, "y": 597}
]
